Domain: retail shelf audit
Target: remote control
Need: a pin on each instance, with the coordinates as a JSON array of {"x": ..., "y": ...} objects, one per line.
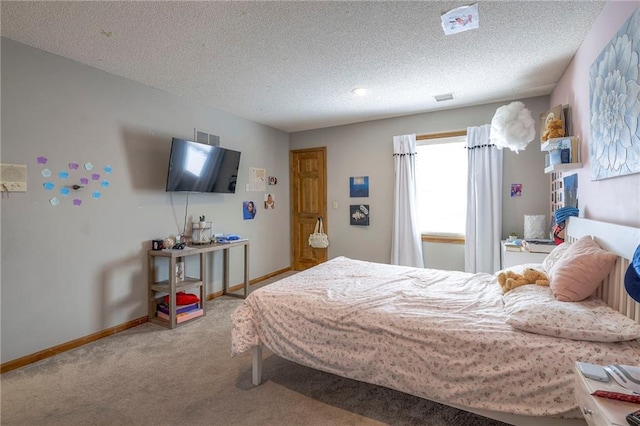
[{"x": 592, "y": 371}]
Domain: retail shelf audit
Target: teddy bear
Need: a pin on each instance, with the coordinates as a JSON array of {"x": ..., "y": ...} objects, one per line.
[
  {"x": 555, "y": 129},
  {"x": 509, "y": 280}
]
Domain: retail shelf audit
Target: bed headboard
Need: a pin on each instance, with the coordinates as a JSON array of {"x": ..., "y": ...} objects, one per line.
[{"x": 622, "y": 240}]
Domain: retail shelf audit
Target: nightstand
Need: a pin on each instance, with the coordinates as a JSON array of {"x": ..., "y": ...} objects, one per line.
[
  {"x": 536, "y": 255},
  {"x": 600, "y": 411}
]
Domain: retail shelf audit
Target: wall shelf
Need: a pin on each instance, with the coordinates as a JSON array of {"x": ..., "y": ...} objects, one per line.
[
  {"x": 562, "y": 167},
  {"x": 552, "y": 143}
]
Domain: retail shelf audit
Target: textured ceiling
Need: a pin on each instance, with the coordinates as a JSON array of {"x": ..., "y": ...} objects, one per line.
[{"x": 292, "y": 65}]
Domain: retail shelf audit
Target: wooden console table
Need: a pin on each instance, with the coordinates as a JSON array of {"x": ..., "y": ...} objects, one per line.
[{"x": 173, "y": 285}]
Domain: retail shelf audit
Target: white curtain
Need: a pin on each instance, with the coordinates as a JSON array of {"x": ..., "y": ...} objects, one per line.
[
  {"x": 484, "y": 202},
  {"x": 406, "y": 241}
]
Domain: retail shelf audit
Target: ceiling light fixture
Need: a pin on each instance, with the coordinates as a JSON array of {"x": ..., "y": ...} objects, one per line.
[
  {"x": 512, "y": 127},
  {"x": 359, "y": 91}
]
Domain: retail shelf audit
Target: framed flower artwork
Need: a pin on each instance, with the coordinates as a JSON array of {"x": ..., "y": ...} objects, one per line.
[{"x": 615, "y": 104}]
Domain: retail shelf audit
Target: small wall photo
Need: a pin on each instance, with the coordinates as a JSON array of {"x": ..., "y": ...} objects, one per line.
[
  {"x": 248, "y": 210},
  {"x": 359, "y": 214},
  {"x": 269, "y": 201},
  {"x": 359, "y": 186}
]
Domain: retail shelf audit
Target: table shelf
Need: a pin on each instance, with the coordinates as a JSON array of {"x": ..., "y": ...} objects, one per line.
[
  {"x": 173, "y": 284},
  {"x": 187, "y": 283}
]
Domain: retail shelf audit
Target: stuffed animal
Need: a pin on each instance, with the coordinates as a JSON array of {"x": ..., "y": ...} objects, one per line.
[
  {"x": 555, "y": 129},
  {"x": 509, "y": 280}
]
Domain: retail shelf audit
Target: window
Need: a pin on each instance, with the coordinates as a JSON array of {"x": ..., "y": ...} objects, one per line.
[{"x": 441, "y": 185}]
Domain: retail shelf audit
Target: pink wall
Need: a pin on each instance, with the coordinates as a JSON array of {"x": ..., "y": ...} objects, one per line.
[{"x": 617, "y": 199}]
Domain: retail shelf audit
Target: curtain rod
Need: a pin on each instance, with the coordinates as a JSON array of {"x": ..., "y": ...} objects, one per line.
[{"x": 441, "y": 135}]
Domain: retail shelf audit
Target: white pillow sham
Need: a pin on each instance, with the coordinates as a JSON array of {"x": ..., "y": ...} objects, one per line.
[
  {"x": 552, "y": 258},
  {"x": 534, "y": 309}
]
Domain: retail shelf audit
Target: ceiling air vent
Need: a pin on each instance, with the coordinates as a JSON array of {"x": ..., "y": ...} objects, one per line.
[
  {"x": 445, "y": 97},
  {"x": 203, "y": 137}
]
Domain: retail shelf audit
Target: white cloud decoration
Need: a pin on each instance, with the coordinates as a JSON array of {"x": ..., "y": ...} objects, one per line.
[{"x": 512, "y": 127}]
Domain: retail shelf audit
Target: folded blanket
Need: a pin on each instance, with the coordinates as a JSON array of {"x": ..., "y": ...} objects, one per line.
[{"x": 563, "y": 213}]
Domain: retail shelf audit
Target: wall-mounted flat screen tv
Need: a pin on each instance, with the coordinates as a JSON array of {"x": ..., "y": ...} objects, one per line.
[{"x": 198, "y": 167}]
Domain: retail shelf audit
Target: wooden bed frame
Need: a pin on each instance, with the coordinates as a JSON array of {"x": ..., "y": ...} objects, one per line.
[{"x": 622, "y": 240}]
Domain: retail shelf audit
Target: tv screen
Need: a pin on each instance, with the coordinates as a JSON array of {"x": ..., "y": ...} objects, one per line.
[{"x": 198, "y": 167}]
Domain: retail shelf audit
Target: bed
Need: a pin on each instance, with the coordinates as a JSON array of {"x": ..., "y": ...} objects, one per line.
[{"x": 447, "y": 336}]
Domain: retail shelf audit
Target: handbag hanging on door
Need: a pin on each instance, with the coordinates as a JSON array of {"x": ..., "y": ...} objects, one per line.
[{"x": 319, "y": 239}]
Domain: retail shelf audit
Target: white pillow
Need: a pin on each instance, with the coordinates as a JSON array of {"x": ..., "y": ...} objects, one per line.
[
  {"x": 533, "y": 308},
  {"x": 552, "y": 258}
]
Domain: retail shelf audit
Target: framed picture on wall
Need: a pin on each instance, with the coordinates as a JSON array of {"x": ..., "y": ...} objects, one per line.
[
  {"x": 516, "y": 190},
  {"x": 359, "y": 186},
  {"x": 614, "y": 148},
  {"x": 359, "y": 214},
  {"x": 571, "y": 190}
]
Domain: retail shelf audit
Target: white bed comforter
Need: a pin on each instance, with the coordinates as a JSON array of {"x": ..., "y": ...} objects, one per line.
[{"x": 436, "y": 334}]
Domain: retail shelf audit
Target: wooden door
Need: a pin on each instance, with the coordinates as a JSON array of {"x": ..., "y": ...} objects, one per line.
[{"x": 308, "y": 169}]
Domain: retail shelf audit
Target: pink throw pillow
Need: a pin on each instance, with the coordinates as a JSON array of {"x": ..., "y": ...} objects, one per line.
[{"x": 580, "y": 270}]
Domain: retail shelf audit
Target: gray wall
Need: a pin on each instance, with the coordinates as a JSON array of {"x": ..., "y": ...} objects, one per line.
[
  {"x": 365, "y": 149},
  {"x": 68, "y": 272}
]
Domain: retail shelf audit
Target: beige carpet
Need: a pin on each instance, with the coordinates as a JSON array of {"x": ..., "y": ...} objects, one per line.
[{"x": 152, "y": 376}]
